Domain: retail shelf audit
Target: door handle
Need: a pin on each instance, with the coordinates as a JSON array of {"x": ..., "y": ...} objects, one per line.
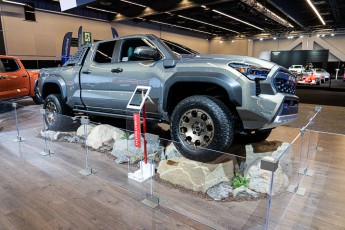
[
  {"x": 24, "y": 75},
  {"x": 86, "y": 71},
  {"x": 118, "y": 70}
]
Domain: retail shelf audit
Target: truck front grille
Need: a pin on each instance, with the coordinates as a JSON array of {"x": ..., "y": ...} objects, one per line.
[{"x": 285, "y": 82}]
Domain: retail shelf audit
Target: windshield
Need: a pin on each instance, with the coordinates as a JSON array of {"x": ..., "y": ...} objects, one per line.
[{"x": 180, "y": 49}]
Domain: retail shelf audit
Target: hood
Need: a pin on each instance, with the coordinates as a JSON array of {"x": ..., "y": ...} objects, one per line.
[{"x": 234, "y": 59}]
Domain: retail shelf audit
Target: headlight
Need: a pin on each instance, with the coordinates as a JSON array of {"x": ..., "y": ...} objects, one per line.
[{"x": 250, "y": 71}]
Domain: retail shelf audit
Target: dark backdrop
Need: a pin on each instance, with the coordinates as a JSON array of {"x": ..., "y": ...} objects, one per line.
[{"x": 300, "y": 57}]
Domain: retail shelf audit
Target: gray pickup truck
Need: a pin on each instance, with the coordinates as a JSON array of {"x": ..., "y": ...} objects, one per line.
[{"x": 206, "y": 99}]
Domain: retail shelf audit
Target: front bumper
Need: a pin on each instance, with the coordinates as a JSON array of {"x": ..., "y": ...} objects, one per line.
[{"x": 269, "y": 111}]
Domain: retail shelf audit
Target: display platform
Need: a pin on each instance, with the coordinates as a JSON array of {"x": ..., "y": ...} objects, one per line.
[{"x": 312, "y": 165}]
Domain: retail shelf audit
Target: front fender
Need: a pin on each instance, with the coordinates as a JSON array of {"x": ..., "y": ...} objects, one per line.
[
  {"x": 232, "y": 87},
  {"x": 53, "y": 84}
]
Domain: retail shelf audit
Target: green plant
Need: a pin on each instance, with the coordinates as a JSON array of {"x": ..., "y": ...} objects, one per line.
[
  {"x": 126, "y": 136},
  {"x": 239, "y": 180}
]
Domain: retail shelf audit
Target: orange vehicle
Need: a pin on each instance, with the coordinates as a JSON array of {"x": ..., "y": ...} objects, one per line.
[{"x": 16, "y": 81}]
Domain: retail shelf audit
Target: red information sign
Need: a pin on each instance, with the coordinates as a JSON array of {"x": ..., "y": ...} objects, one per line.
[{"x": 137, "y": 142}]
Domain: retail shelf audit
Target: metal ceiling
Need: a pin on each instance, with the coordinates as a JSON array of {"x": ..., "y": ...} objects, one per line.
[{"x": 225, "y": 18}]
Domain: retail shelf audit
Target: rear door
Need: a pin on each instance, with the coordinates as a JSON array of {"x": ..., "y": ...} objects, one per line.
[{"x": 15, "y": 77}]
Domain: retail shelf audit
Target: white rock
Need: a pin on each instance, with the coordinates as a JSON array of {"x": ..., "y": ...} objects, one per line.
[
  {"x": 170, "y": 152},
  {"x": 259, "y": 179},
  {"x": 103, "y": 133},
  {"x": 243, "y": 191},
  {"x": 80, "y": 131},
  {"x": 51, "y": 135},
  {"x": 220, "y": 191},
  {"x": 195, "y": 175},
  {"x": 286, "y": 160},
  {"x": 126, "y": 151}
]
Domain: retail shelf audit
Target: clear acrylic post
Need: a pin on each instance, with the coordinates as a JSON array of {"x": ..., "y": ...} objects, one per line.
[
  {"x": 19, "y": 138},
  {"x": 45, "y": 151},
  {"x": 85, "y": 121}
]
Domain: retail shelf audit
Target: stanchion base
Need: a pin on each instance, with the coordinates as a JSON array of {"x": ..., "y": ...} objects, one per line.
[
  {"x": 307, "y": 172},
  {"x": 145, "y": 172},
  {"x": 151, "y": 200},
  {"x": 46, "y": 152},
  {"x": 296, "y": 189},
  {"x": 86, "y": 172},
  {"x": 19, "y": 139}
]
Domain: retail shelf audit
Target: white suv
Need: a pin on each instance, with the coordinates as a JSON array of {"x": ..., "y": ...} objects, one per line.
[{"x": 297, "y": 69}]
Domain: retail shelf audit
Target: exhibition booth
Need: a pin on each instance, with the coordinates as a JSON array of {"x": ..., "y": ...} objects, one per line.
[{"x": 251, "y": 186}]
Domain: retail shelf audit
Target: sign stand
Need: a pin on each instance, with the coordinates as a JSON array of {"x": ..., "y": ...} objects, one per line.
[{"x": 137, "y": 102}]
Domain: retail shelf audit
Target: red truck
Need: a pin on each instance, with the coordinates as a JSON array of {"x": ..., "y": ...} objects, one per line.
[{"x": 16, "y": 81}]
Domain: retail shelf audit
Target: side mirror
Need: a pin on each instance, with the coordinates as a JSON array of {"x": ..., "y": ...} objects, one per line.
[{"x": 146, "y": 52}]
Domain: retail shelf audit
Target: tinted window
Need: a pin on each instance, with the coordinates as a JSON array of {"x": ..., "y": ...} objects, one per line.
[
  {"x": 128, "y": 47},
  {"x": 10, "y": 65},
  {"x": 104, "y": 52}
]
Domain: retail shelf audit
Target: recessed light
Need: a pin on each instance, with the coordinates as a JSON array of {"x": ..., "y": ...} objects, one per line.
[
  {"x": 332, "y": 35},
  {"x": 274, "y": 38},
  {"x": 261, "y": 39}
]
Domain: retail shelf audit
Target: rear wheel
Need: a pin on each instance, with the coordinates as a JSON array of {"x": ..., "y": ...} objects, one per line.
[
  {"x": 58, "y": 115},
  {"x": 200, "y": 124}
]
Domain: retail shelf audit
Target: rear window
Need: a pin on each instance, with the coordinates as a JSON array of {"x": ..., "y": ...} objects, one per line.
[{"x": 9, "y": 65}]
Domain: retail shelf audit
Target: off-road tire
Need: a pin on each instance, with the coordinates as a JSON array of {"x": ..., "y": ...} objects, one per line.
[
  {"x": 215, "y": 113},
  {"x": 58, "y": 115}
]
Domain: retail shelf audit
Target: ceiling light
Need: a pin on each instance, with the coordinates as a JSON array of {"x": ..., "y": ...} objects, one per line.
[
  {"x": 203, "y": 6},
  {"x": 249, "y": 40},
  {"x": 318, "y": 35},
  {"x": 274, "y": 38},
  {"x": 182, "y": 27},
  {"x": 105, "y": 3},
  {"x": 290, "y": 37},
  {"x": 323, "y": 35},
  {"x": 256, "y": 5},
  {"x": 261, "y": 39},
  {"x": 16, "y": 3},
  {"x": 316, "y": 12},
  {"x": 233, "y": 41},
  {"x": 206, "y": 23},
  {"x": 133, "y": 3},
  {"x": 107, "y": 11},
  {"x": 226, "y": 15},
  {"x": 220, "y": 41},
  {"x": 301, "y": 36},
  {"x": 332, "y": 35}
]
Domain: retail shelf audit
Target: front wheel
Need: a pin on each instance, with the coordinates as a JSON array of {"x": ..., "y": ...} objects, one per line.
[
  {"x": 57, "y": 114},
  {"x": 200, "y": 124}
]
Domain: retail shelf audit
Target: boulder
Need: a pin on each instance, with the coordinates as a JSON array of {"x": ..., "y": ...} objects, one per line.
[
  {"x": 80, "y": 131},
  {"x": 170, "y": 152},
  {"x": 220, "y": 191},
  {"x": 259, "y": 179},
  {"x": 194, "y": 175},
  {"x": 243, "y": 191},
  {"x": 51, "y": 135},
  {"x": 261, "y": 149},
  {"x": 103, "y": 133},
  {"x": 286, "y": 160},
  {"x": 126, "y": 151}
]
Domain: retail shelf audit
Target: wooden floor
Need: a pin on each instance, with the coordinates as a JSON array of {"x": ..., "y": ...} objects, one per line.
[{"x": 47, "y": 192}]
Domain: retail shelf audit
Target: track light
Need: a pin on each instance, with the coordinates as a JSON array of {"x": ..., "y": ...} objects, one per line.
[
  {"x": 133, "y": 3},
  {"x": 206, "y": 23},
  {"x": 234, "y": 18},
  {"x": 316, "y": 12},
  {"x": 182, "y": 27},
  {"x": 107, "y": 11}
]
